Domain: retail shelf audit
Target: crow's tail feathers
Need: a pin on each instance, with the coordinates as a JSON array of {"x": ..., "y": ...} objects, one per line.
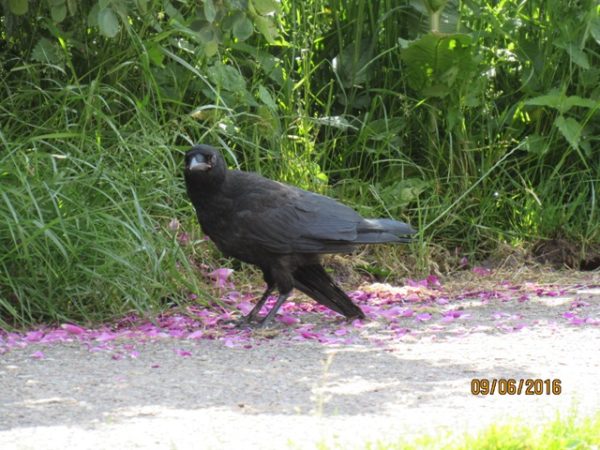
[
  {"x": 314, "y": 282},
  {"x": 372, "y": 231}
]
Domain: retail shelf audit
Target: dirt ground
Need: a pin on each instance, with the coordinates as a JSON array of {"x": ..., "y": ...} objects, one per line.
[{"x": 282, "y": 392}]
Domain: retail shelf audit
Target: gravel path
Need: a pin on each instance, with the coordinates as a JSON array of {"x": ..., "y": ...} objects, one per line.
[{"x": 282, "y": 393}]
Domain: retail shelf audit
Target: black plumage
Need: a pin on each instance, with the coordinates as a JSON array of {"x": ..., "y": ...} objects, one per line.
[{"x": 280, "y": 228}]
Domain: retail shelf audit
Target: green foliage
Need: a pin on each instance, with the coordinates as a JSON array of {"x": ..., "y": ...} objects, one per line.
[
  {"x": 570, "y": 432},
  {"x": 476, "y": 121}
]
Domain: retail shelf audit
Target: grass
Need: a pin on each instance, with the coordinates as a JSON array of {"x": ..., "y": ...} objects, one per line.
[
  {"x": 482, "y": 137},
  {"x": 563, "y": 433}
]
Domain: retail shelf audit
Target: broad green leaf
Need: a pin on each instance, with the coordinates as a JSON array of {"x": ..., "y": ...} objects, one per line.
[
  {"x": 266, "y": 98},
  {"x": 561, "y": 102},
  {"x": 72, "y": 6},
  {"x": 595, "y": 28},
  {"x": 207, "y": 34},
  {"x": 58, "y": 13},
  {"x": 211, "y": 48},
  {"x": 534, "y": 143},
  {"x": 209, "y": 10},
  {"x": 93, "y": 16},
  {"x": 242, "y": 28},
  {"x": 437, "y": 64},
  {"x": 18, "y": 7},
  {"x": 108, "y": 22},
  {"x": 47, "y": 52},
  {"x": 265, "y": 7},
  {"x": 576, "y": 54},
  {"x": 570, "y": 129},
  {"x": 155, "y": 53},
  {"x": 352, "y": 63},
  {"x": 227, "y": 78},
  {"x": 267, "y": 28}
]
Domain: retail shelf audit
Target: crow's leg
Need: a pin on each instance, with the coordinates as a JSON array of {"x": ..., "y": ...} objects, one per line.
[
  {"x": 269, "y": 317},
  {"x": 254, "y": 313}
]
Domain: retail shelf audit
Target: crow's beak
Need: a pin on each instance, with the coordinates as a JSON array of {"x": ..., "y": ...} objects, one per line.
[{"x": 199, "y": 162}]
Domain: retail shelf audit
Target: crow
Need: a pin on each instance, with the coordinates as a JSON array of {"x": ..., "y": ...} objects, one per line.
[{"x": 281, "y": 229}]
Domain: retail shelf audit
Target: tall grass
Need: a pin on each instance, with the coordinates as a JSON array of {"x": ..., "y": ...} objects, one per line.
[
  {"x": 85, "y": 209},
  {"x": 482, "y": 133}
]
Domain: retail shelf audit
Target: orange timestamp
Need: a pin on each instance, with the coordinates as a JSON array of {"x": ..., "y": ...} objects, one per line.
[{"x": 512, "y": 386}]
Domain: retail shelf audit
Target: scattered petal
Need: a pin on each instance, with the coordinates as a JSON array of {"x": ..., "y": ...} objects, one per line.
[
  {"x": 220, "y": 276},
  {"x": 38, "y": 355},
  {"x": 72, "y": 329},
  {"x": 423, "y": 317},
  {"x": 481, "y": 271}
]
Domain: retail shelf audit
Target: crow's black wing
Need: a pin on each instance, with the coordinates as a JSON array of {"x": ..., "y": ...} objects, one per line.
[{"x": 284, "y": 219}]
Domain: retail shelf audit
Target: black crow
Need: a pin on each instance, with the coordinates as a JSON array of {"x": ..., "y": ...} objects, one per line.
[{"x": 280, "y": 228}]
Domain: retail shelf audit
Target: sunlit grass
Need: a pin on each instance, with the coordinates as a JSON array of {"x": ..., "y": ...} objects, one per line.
[{"x": 569, "y": 432}]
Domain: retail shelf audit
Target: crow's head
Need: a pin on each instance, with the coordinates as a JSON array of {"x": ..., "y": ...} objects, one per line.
[{"x": 205, "y": 166}]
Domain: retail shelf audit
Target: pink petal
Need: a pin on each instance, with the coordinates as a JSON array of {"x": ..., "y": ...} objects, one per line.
[
  {"x": 407, "y": 313},
  {"x": 34, "y": 336},
  {"x": 106, "y": 336},
  {"x": 183, "y": 353},
  {"x": 576, "y": 321},
  {"x": 220, "y": 276},
  {"x": 433, "y": 280},
  {"x": 38, "y": 355},
  {"x": 174, "y": 225},
  {"x": 196, "y": 334},
  {"x": 73, "y": 329},
  {"x": 288, "y": 319},
  {"x": 423, "y": 317},
  {"x": 481, "y": 271}
]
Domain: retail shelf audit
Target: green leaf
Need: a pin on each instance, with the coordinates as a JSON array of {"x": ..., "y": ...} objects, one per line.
[
  {"x": 47, "y": 52},
  {"x": 142, "y": 5},
  {"x": 72, "y": 6},
  {"x": 595, "y": 28},
  {"x": 570, "y": 129},
  {"x": 339, "y": 122},
  {"x": 209, "y": 10},
  {"x": 265, "y": 7},
  {"x": 207, "y": 34},
  {"x": 534, "y": 143},
  {"x": 437, "y": 64},
  {"x": 227, "y": 78},
  {"x": 561, "y": 102},
  {"x": 352, "y": 63},
  {"x": 211, "y": 48},
  {"x": 93, "y": 16},
  {"x": 265, "y": 97},
  {"x": 18, "y": 7},
  {"x": 267, "y": 28},
  {"x": 576, "y": 54},
  {"x": 155, "y": 54},
  {"x": 58, "y": 13},
  {"x": 242, "y": 28},
  {"x": 108, "y": 22}
]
